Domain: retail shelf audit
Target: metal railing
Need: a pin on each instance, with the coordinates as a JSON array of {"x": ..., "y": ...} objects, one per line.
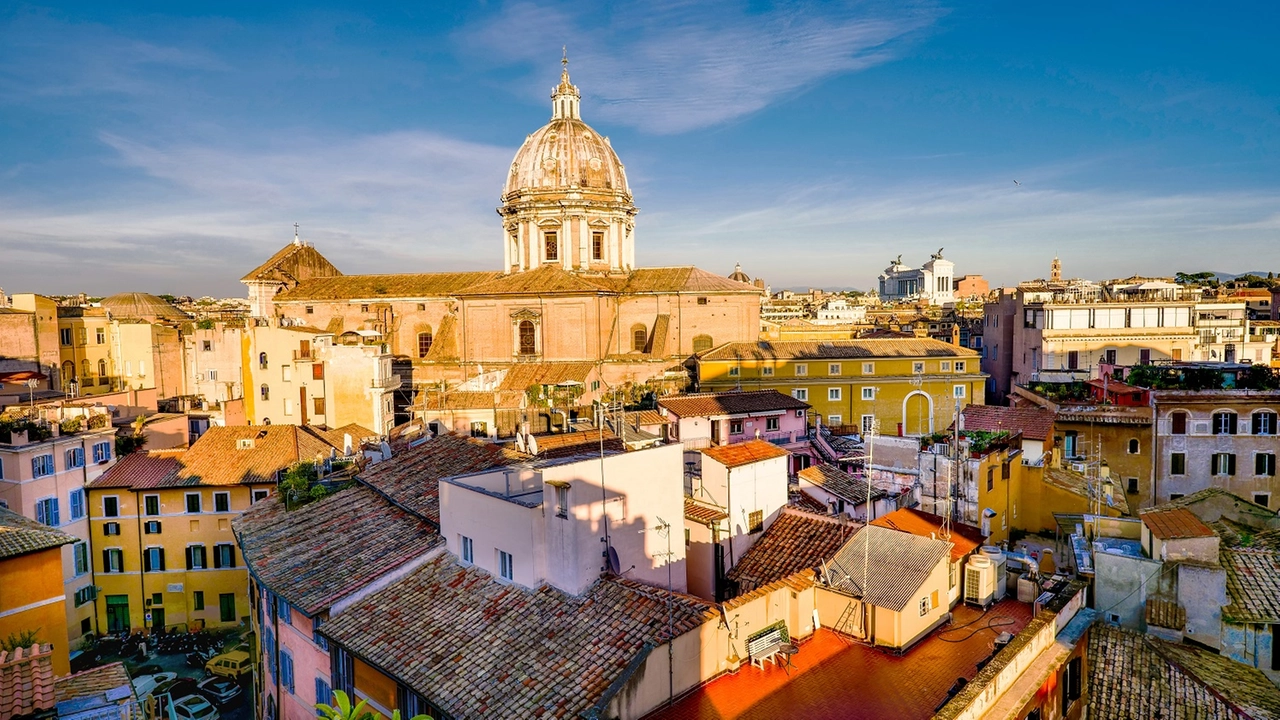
[{"x": 390, "y": 382}]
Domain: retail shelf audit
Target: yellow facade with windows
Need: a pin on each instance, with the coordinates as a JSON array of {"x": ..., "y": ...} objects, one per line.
[
  {"x": 86, "y": 349},
  {"x": 166, "y": 557},
  {"x": 907, "y": 386}
]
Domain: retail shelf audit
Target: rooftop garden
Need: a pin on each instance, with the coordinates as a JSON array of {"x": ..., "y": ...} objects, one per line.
[
  {"x": 980, "y": 441},
  {"x": 1160, "y": 377},
  {"x": 1061, "y": 392},
  {"x": 15, "y": 424}
]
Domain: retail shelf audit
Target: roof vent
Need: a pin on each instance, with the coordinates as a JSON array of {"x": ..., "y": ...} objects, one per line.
[{"x": 244, "y": 444}]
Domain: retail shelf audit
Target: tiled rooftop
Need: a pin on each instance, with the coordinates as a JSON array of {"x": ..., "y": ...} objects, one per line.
[
  {"x": 1035, "y": 423},
  {"x": 963, "y": 538},
  {"x": 840, "y": 483},
  {"x": 796, "y": 541},
  {"x": 1132, "y": 676},
  {"x": 1166, "y": 613},
  {"x": 20, "y": 535},
  {"x": 92, "y": 682},
  {"x": 839, "y": 349},
  {"x": 1253, "y": 585},
  {"x": 837, "y": 679},
  {"x": 411, "y": 477},
  {"x": 730, "y": 403},
  {"x": 476, "y": 647},
  {"x": 311, "y": 556},
  {"x": 1174, "y": 524},
  {"x": 568, "y": 444},
  {"x": 218, "y": 458},
  {"x": 703, "y": 513},
  {"x": 744, "y": 453}
]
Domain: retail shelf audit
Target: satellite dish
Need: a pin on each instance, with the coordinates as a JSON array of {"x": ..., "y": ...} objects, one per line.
[{"x": 615, "y": 566}]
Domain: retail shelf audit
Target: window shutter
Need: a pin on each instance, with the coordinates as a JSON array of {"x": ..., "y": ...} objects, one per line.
[
  {"x": 40, "y": 512},
  {"x": 1231, "y": 464},
  {"x": 1213, "y": 464},
  {"x": 217, "y": 558},
  {"x": 231, "y": 556},
  {"x": 190, "y": 554},
  {"x": 56, "y": 518},
  {"x": 106, "y": 561}
]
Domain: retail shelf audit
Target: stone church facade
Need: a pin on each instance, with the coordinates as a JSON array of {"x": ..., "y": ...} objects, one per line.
[{"x": 569, "y": 300}]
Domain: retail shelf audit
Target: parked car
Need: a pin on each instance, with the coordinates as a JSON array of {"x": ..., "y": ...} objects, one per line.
[
  {"x": 194, "y": 707},
  {"x": 219, "y": 690},
  {"x": 143, "y": 685},
  {"x": 148, "y": 669},
  {"x": 177, "y": 688},
  {"x": 230, "y": 664}
]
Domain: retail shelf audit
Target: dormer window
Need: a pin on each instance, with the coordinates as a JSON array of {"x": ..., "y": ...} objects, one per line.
[{"x": 244, "y": 444}]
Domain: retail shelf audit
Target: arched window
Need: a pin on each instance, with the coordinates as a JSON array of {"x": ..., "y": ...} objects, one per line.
[
  {"x": 701, "y": 343},
  {"x": 1133, "y": 446},
  {"x": 262, "y": 360},
  {"x": 68, "y": 371},
  {"x": 266, "y": 392},
  {"x": 425, "y": 339},
  {"x": 1178, "y": 423},
  {"x": 1225, "y": 423},
  {"x": 639, "y": 337},
  {"x": 528, "y": 338},
  {"x": 86, "y": 370},
  {"x": 102, "y": 368}
]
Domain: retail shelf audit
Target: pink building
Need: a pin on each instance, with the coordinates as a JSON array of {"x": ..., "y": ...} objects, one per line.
[{"x": 703, "y": 420}]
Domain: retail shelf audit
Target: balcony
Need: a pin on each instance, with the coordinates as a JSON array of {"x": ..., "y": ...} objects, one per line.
[
  {"x": 300, "y": 356},
  {"x": 390, "y": 382}
]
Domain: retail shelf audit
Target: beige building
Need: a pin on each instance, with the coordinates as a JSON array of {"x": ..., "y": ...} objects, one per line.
[
  {"x": 85, "y": 344},
  {"x": 569, "y": 290},
  {"x": 151, "y": 357},
  {"x": 44, "y": 468},
  {"x": 29, "y": 338},
  {"x": 302, "y": 376},
  {"x": 214, "y": 363}
]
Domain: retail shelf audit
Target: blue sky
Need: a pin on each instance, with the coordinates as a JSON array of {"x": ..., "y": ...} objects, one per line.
[{"x": 170, "y": 147}]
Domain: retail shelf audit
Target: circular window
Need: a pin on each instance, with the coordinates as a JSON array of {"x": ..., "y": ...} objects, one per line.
[
  {"x": 549, "y": 163},
  {"x": 594, "y": 163}
]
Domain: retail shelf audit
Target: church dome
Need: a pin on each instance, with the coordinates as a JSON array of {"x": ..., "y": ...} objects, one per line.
[
  {"x": 739, "y": 275},
  {"x": 566, "y": 154},
  {"x": 142, "y": 306}
]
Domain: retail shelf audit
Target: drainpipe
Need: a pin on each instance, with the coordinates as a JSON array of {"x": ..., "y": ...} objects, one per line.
[{"x": 142, "y": 565}]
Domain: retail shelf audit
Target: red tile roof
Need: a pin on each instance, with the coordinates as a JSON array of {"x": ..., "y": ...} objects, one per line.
[
  {"x": 797, "y": 540},
  {"x": 730, "y": 403},
  {"x": 840, "y": 349},
  {"x": 142, "y": 470},
  {"x": 310, "y": 556},
  {"x": 1175, "y": 524},
  {"x": 1035, "y": 423},
  {"x": 411, "y": 477},
  {"x": 576, "y": 443},
  {"x": 840, "y": 483},
  {"x": 475, "y": 647},
  {"x": 963, "y": 539},
  {"x": 744, "y": 453},
  {"x": 703, "y": 513}
]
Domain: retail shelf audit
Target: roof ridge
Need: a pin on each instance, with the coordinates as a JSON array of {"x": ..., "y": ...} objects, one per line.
[{"x": 1154, "y": 646}]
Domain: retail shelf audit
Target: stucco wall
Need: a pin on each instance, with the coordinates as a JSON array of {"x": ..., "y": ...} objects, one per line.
[{"x": 1121, "y": 585}]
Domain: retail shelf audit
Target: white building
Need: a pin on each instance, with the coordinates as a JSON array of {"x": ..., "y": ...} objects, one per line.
[
  {"x": 838, "y": 311},
  {"x": 933, "y": 283}
]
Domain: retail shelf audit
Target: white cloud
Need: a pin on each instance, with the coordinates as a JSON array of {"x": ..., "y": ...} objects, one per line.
[
  {"x": 842, "y": 235},
  {"x": 397, "y": 202},
  {"x": 673, "y": 67}
]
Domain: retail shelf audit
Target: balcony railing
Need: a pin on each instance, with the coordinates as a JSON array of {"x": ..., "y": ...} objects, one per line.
[
  {"x": 390, "y": 382},
  {"x": 300, "y": 356}
]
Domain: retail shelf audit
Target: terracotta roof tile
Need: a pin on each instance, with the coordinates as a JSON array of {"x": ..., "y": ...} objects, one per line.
[
  {"x": 411, "y": 477},
  {"x": 292, "y": 263},
  {"x": 521, "y": 376},
  {"x": 218, "y": 458},
  {"x": 1253, "y": 585},
  {"x": 558, "y": 445},
  {"x": 473, "y": 646},
  {"x": 1175, "y": 524},
  {"x": 805, "y": 501},
  {"x": 796, "y": 541},
  {"x": 744, "y": 453},
  {"x": 310, "y": 556},
  {"x": 840, "y": 483},
  {"x": 1166, "y": 613},
  {"x": 20, "y": 535},
  {"x": 703, "y": 513},
  {"x": 963, "y": 538},
  {"x": 92, "y": 682},
  {"x": 385, "y": 287},
  {"x": 468, "y": 400},
  {"x": 1035, "y": 423},
  {"x": 840, "y": 349},
  {"x": 730, "y": 403},
  {"x": 1137, "y": 676}
]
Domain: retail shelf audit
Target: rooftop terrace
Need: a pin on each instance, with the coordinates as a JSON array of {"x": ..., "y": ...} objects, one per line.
[{"x": 835, "y": 678}]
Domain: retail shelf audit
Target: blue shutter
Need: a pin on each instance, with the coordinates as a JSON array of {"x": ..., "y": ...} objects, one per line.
[
  {"x": 286, "y": 670},
  {"x": 58, "y": 520},
  {"x": 324, "y": 695},
  {"x": 40, "y": 514}
]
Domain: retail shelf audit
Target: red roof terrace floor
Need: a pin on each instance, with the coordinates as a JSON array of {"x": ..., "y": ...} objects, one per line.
[{"x": 835, "y": 678}]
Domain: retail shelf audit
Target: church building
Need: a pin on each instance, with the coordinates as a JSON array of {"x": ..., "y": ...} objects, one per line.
[{"x": 568, "y": 303}]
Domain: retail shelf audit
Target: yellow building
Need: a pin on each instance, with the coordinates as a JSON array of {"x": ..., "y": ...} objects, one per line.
[
  {"x": 31, "y": 595},
  {"x": 85, "y": 345},
  {"x": 160, "y": 523},
  {"x": 909, "y": 386}
]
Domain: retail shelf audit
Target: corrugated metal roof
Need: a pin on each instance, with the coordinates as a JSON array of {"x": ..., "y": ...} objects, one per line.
[{"x": 894, "y": 565}]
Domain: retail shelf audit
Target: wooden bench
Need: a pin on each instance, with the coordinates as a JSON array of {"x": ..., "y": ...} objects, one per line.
[{"x": 767, "y": 644}]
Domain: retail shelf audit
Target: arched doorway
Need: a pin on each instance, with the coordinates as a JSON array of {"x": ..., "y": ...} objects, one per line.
[{"x": 917, "y": 414}]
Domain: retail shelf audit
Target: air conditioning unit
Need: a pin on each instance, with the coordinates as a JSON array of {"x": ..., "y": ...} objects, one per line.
[
  {"x": 997, "y": 558},
  {"x": 979, "y": 581},
  {"x": 1078, "y": 467}
]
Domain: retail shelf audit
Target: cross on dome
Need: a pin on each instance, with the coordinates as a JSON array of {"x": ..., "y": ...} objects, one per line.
[{"x": 565, "y": 97}]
